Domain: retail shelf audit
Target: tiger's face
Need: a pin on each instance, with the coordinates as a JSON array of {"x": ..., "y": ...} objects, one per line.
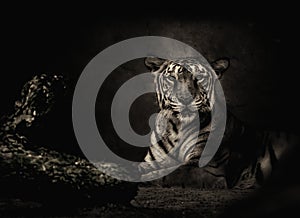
[
  {"x": 183, "y": 86},
  {"x": 180, "y": 91}
]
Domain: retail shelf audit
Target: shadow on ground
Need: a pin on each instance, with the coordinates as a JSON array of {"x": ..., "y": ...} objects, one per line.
[{"x": 149, "y": 202}]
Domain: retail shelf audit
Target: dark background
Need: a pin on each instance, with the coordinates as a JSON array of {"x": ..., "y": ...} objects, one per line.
[
  {"x": 258, "y": 90},
  {"x": 256, "y": 86}
]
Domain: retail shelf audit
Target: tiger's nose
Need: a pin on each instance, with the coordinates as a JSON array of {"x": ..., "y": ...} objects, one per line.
[
  {"x": 185, "y": 98},
  {"x": 184, "y": 95}
]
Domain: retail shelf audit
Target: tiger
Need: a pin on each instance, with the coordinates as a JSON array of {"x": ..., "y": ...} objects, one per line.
[{"x": 246, "y": 156}]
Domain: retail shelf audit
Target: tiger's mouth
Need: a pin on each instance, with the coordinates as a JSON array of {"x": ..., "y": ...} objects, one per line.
[{"x": 186, "y": 109}]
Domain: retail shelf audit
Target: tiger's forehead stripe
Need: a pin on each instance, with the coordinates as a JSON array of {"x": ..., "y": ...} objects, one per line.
[
  {"x": 174, "y": 69},
  {"x": 170, "y": 68}
]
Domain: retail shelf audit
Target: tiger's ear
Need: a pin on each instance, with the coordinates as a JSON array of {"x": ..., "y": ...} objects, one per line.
[
  {"x": 220, "y": 66},
  {"x": 153, "y": 63}
]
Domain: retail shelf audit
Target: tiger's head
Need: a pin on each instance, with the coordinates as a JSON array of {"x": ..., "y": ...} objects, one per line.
[{"x": 185, "y": 86}]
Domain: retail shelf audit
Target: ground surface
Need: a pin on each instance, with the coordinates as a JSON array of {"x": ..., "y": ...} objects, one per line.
[{"x": 150, "y": 202}]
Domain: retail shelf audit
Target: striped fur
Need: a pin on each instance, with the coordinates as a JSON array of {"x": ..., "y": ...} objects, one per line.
[
  {"x": 246, "y": 157},
  {"x": 185, "y": 97}
]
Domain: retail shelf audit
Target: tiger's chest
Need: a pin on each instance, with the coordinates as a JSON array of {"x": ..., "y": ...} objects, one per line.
[{"x": 176, "y": 132}]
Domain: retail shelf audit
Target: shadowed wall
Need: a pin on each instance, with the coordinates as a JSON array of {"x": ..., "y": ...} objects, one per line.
[{"x": 256, "y": 90}]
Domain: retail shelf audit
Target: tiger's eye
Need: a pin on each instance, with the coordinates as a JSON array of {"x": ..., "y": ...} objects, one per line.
[
  {"x": 170, "y": 79},
  {"x": 198, "y": 81}
]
